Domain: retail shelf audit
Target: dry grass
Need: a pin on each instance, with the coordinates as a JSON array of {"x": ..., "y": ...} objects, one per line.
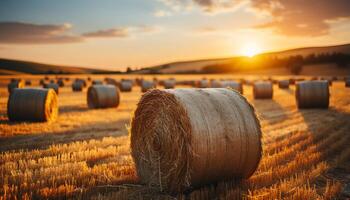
[{"x": 86, "y": 154}]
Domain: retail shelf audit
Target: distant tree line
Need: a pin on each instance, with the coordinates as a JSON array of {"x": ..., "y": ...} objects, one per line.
[{"x": 292, "y": 63}]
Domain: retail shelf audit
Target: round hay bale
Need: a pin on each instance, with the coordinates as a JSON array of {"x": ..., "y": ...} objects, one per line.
[
  {"x": 103, "y": 96},
  {"x": 262, "y": 90},
  {"x": 347, "y": 83},
  {"x": 60, "y": 82},
  {"x": 29, "y": 104},
  {"x": 283, "y": 84},
  {"x": 215, "y": 84},
  {"x": 125, "y": 86},
  {"x": 15, "y": 84},
  {"x": 147, "y": 85},
  {"x": 204, "y": 83},
  {"x": 312, "y": 94},
  {"x": 82, "y": 81},
  {"x": 234, "y": 85},
  {"x": 77, "y": 86},
  {"x": 28, "y": 82},
  {"x": 177, "y": 145},
  {"x": 169, "y": 84},
  {"x": 111, "y": 81},
  {"x": 53, "y": 86},
  {"x": 42, "y": 82},
  {"x": 97, "y": 82}
]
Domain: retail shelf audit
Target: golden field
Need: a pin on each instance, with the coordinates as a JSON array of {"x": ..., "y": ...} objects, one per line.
[{"x": 85, "y": 153}]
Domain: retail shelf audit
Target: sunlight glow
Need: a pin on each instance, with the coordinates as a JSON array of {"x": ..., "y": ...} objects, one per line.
[{"x": 250, "y": 49}]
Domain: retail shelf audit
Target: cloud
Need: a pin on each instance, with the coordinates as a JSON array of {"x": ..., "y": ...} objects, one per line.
[
  {"x": 207, "y": 6},
  {"x": 115, "y": 32},
  {"x": 300, "y": 17},
  {"x": 162, "y": 13},
  {"x": 27, "y": 33}
]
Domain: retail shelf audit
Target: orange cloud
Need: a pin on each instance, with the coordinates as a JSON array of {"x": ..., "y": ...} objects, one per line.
[
  {"x": 300, "y": 17},
  {"x": 116, "y": 32}
]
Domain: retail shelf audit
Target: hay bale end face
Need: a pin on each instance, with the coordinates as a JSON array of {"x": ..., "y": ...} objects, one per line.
[
  {"x": 103, "y": 96},
  {"x": 177, "y": 145},
  {"x": 283, "y": 84},
  {"x": 53, "y": 86},
  {"x": 262, "y": 90},
  {"x": 312, "y": 94},
  {"x": 29, "y": 104}
]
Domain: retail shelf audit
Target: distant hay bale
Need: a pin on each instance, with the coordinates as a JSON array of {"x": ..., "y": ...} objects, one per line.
[
  {"x": 215, "y": 84},
  {"x": 111, "y": 81},
  {"x": 15, "y": 84},
  {"x": 204, "y": 83},
  {"x": 77, "y": 86},
  {"x": 262, "y": 90},
  {"x": 312, "y": 94},
  {"x": 42, "y": 82},
  {"x": 234, "y": 85},
  {"x": 53, "y": 86},
  {"x": 60, "y": 82},
  {"x": 29, "y": 104},
  {"x": 125, "y": 86},
  {"x": 103, "y": 96},
  {"x": 185, "y": 138},
  {"x": 169, "y": 84},
  {"x": 147, "y": 85},
  {"x": 97, "y": 82},
  {"x": 283, "y": 84},
  {"x": 347, "y": 83},
  {"x": 28, "y": 82}
]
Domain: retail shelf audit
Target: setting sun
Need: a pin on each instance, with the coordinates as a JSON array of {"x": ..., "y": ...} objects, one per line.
[{"x": 250, "y": 49}]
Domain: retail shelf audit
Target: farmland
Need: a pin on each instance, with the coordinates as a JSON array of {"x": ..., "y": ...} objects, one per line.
[{"x": 85, "y": 153}]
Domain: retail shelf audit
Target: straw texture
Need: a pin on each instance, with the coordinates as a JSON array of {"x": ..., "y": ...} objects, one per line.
[
  {"x": 29, "y": 104},
  {"x": 185, "y": 138},
  {"x": 15, "y": 84},
  {"x": 103, "y": 96},
  {"x": 312, "y": 94},
  {"x": 53, "y": 86},
  {"x": 283, "y": 84},
  {"x": 262, "y": 90}
]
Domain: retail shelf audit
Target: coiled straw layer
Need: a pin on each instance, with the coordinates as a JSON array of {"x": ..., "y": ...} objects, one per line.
[
  {"x": 29, "y": 104},
  {"x": 103, "y": 96},
  {"x": 312, "y": 94},
  {"x": 186, "y": 138}
]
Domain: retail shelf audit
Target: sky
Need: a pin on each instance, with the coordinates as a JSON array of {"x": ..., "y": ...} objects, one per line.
[{"x": 115, "y": 34}]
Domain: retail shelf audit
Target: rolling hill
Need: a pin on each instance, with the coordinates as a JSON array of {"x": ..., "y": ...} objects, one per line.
[
  {"x": 196, "y": 66},
  {"x": 12, "y": 67}
]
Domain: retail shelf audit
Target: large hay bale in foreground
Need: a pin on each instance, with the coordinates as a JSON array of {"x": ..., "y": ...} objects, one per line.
[
  {"x": 125, "y": 86},
  {"x": 103, "y": 96},
  {"x": 147, "y": 85},
  {"x": 53, "y": 86},
  {"x": 283, "y": 84},
  {"x": 262, "y": 90},
  {"x": 15, "y": 84},
  {"x": 29, "y": 104},
  {"x": 234, "y": 85},
  {"x": 77, "y": 86},
  {"x": 185, "y": 138},
  {"x": 312, "y": 94}
]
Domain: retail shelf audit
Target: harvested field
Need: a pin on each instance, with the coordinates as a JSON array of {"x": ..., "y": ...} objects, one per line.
[{"x": 86, "y": 154}]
